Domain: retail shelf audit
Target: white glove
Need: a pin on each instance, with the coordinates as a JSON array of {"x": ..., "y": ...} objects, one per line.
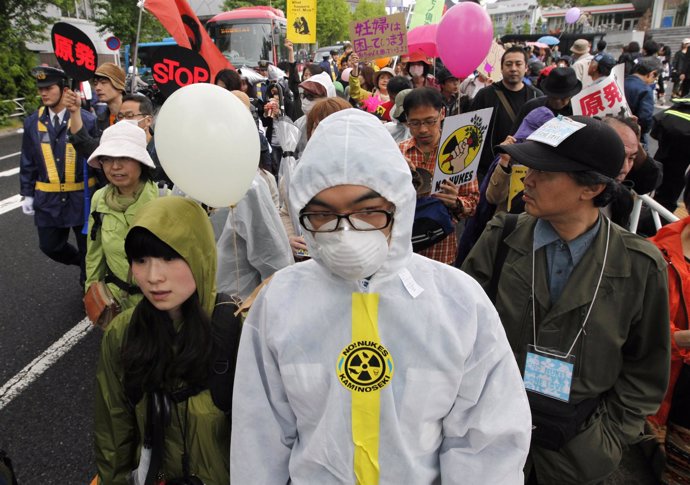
[{"x": 28, "y": 206}]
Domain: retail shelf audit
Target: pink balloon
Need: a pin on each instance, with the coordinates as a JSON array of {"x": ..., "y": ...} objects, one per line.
[
  {"x": 572, "y": 15},
  {"x": 423, "y": 39},
  {"x": 463, "y": 38}
]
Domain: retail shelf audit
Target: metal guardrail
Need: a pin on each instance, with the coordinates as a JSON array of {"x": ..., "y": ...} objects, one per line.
[
  {"x": 18, "y": 107},
  {"x": 656, "y": 209}
]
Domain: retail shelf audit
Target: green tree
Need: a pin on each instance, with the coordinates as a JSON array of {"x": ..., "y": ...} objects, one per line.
[
  {"x": 332, "y": 18},
  {"x": 509, "y": 27},
  {"x": 526, "y": 28},
  {"x": 120, "y": 17},
  {"x": 366, "y": 9},
  {"x": 233, "y": 4},
  {"x": 539, "y": 24},
  {"x": 21, "y": 21}
]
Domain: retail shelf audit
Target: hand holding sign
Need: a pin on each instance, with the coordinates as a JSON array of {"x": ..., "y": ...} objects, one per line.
[{"x": 213, "y": 161}]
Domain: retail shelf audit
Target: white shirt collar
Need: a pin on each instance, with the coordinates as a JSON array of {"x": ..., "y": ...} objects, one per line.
[{"x": 61, "y": 114}]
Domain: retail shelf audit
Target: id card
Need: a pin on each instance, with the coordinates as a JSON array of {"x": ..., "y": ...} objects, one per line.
[{"x": 549, "y": 375}]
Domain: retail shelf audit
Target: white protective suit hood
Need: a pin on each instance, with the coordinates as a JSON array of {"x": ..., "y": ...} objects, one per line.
[
  {"x": 352, "y": 147},
  {"x": 324, "y": 80}
]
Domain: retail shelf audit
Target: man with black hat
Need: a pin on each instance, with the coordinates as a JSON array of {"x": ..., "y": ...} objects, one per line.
[
  {"x": 559, "y": 86},
  {"x": 581, "y": 300},
  {"x": 52, "y": 174},
  {"x": 109, "y": 83}
]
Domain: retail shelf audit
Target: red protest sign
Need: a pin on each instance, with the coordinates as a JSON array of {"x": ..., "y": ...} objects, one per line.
[
  {"x": 175, "y": 67},
  {"x": 74, "y": 50}
]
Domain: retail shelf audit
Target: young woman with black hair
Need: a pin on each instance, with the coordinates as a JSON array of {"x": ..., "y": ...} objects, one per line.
[{"x": 161, "y": 414}]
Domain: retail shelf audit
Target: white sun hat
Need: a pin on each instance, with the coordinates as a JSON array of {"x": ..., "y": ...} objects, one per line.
[{"x": 123, "y": 139}]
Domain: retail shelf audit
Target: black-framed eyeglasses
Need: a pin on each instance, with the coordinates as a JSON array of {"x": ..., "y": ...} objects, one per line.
[
  {"x": 418, "y": 123},
  {"x": 128, "y": 116},
  {"x": 369, "y": 220}
]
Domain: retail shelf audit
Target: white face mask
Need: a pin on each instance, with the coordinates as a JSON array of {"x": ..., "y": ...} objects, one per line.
[
  {"x": 132, "y": 122},
  {"x": 352, "y": 255},
  {"x": 416, "y": 70},
  {"x": 307, "y": 105}
]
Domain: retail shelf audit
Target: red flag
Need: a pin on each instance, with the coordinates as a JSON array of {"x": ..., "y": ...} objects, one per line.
[{"x": 182, "y": 23}]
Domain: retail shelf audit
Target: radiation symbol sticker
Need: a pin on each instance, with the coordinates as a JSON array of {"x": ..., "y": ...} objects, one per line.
[
  {"x": 460, "y": 149},
  {"x": 364, "y": 366}
]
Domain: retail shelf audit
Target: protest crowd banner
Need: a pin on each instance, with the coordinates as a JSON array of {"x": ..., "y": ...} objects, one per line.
[
  {"x": 604, "y": 97},
  {"x": 460, "y": 149},
  {"x": 301, "y": 21},
  {"x": 175, "y": 67},
  {"x": 181, "y": 22},
  {"x": 426, "y": 12},
  {"x": 74, "y": 50},
  {"x": 491, "y": 66},
  {"x": 377, "y": 37}
]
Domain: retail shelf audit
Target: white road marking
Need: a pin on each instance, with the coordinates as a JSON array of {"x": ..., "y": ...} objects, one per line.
[
  {"x": 10, "y": 203},
  {"x": 10, "y": 155},
  {"x": 10, "y": 172},
  {"x": 40, "y": 364}
]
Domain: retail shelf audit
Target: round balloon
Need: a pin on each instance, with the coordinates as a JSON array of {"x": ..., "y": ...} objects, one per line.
[
  {"x": 572, "y": 15},
  {"x": 382, "y": 62},
  {"x": 463, "y": 38},
  {"x": 208, "y": 144}
]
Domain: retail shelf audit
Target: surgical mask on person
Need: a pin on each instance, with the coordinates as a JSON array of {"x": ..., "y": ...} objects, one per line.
[
  {"x": 307, "y": 105},
  {"x": 351, "y": 254},
  {"x": 416, "y": 70},
  {"x": 131, "y": 122}
]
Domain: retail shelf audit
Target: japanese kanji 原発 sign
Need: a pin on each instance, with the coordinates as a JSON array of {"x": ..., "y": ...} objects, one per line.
[
  {"x": 74, "y": 50},
  {"x": 606, "y": 96},
  {"x": 379, "y": 36}
]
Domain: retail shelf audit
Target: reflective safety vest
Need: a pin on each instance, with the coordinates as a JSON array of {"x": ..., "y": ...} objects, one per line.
[{"x": 69, "y": 183}]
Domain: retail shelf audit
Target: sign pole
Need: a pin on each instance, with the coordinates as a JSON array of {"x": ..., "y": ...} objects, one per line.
[{"x": 136, "y": 47}]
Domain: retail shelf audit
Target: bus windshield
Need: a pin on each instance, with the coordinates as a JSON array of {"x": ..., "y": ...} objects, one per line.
[{"x": 244, "y": 43}]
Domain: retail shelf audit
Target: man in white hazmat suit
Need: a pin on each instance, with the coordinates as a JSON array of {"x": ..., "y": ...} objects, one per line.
[
  {"x": 370, "y": 364},
  {"x": 253, "y": 244}
]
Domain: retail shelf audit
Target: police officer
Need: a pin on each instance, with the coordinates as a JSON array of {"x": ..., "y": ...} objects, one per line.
[{"x": 51, "y": 173}]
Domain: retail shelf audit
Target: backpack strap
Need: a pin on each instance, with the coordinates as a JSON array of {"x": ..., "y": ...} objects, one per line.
[
  {"x": 501, "y": 254},
  {"x": 97, "y": 222},
  {"x": 504, "y": 101},
  {"x": 227, "y": 328}
]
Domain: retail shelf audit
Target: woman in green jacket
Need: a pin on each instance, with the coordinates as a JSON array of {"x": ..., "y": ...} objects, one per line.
[
  {"x": 156, "y": 418},
  {"x": 127, "y": 165}
]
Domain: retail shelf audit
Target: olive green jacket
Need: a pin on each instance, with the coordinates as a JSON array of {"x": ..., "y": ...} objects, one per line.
[
  {"x": 107, "y": 246},
  {"x": 623, "y": 355},
  {"x": 119, "y": 428}
]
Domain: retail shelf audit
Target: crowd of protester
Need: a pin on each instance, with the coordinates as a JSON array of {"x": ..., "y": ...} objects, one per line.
[{"x": 375, "y": 352}]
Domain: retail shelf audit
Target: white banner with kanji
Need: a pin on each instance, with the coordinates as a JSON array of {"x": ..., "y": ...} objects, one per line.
[{"x": 605, "y": 97}]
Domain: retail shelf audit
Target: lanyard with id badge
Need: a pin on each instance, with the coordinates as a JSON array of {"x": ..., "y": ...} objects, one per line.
[{"x": 547, "y": 371}]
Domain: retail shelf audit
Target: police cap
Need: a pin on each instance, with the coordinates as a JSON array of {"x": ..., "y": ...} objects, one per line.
[{"x": 47, "y": 76}]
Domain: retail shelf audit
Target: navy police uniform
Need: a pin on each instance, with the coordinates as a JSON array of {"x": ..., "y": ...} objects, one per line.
[{"x": 53, "y": 174}]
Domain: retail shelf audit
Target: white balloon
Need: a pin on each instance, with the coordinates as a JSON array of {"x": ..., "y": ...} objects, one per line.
[{"x": 208, "y": 144}]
